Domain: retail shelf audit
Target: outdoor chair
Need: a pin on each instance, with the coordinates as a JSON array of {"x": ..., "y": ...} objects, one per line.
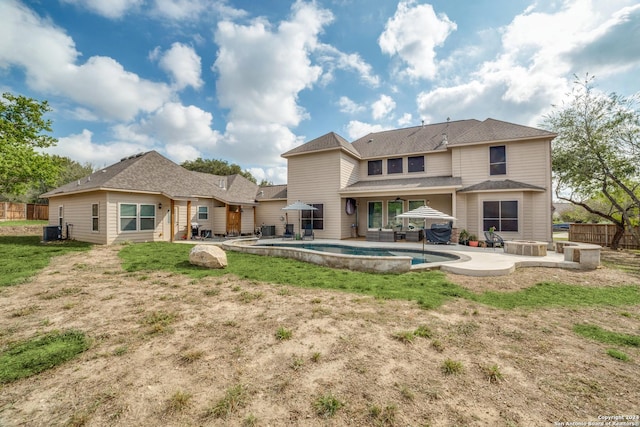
[
  {"x": 308, "y": 233},
  {"x": 493, "y": 240},
  {"x": 288, "y": 232}
]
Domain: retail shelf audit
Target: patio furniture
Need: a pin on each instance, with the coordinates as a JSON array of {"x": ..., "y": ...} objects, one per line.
[
  {"x": 414, "y": 235},
  {"x": 288, "y": 232},
  {"x": 308, "y": 233},
  {"x": 493, "y": 240},
  {"x": 439, "y": 233}
]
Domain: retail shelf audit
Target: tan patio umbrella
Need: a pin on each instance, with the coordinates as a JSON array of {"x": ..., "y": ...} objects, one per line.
[
  {"x": 299, "y": 206},
  {"x": 425, "y": 212}
]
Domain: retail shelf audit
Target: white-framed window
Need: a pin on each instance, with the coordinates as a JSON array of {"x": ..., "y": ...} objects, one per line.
[
  {"x": 137, "y": 217},
  {"x": 313, "y": 217},
  {"x": 95, "y": 217},
  {"x": 60, "y": 215},
  {"x": 203, "y": 213}
]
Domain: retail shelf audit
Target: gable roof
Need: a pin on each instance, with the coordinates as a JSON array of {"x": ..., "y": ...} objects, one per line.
[
  {"x": 153, "y": 173},
  {"x": 500, "y": 185},
  {"x": 329, "y": 141},
  {"x": 492, "y": 130},
  {"x": 422, "y": 139}
]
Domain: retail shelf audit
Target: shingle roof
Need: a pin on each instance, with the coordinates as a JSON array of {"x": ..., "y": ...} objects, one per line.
[
  {"x": 153, "y": 173},
  {"x": 325, "y": 142},
  {"x": 404, "y": 184},
  {"x": 272, "y": 192},
  {"x": 422, "y": 139},
  {"x": 418, "y": 139},
  {"x": 505, "y": 184},
  {"x": 496, "y": 130}
]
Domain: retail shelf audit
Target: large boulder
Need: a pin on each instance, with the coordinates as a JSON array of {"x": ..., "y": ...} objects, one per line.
[{"x": 209, "y": 256}]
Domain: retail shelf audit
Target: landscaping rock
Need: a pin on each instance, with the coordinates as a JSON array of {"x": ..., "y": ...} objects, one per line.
[{"x": 208, "y": 256}]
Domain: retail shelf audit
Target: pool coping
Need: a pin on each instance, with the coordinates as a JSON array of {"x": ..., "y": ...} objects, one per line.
[{"x": 479, "y": 262}]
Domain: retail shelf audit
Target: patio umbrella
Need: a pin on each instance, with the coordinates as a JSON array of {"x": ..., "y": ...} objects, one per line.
[
  {"x": 425, "y": 212},
  {"x": 299, "y": 206}
]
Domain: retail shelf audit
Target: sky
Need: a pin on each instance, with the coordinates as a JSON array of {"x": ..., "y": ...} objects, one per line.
[{"x": 245, "y": 81}]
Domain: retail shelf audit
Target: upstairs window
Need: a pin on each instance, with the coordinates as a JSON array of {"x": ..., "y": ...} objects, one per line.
[
  {"x": 375, "y": 167},
  {"x": 416, "y": 164},
  {"x": 394, "y": 165},
  {"x": 498, "y": 160}
]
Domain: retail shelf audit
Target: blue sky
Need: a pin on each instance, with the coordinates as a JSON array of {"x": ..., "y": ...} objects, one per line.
[{"x": 245, "y": 81}]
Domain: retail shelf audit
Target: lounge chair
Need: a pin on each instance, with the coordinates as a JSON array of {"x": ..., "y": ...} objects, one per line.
[
  {"x": 493, "y": 240},
  {"x": 288, "y": 232},
  {"x": 308, "y": 233}
]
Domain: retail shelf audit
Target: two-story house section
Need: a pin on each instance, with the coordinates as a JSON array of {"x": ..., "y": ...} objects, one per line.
[{"x": 484, "y": 173}]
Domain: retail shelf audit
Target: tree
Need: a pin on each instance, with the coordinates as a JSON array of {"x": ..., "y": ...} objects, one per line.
[
  {"x": 216, "y": 167},
  {"x": 21, "y": 135},
  {"x": 596, "y": 155}
]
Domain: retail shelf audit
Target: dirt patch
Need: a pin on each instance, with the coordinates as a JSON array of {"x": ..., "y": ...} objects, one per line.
[
  {"x": 166, "y": 349},
  {"x": 24, "y": 230}
]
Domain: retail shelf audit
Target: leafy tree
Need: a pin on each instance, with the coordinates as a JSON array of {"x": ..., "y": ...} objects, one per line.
[
  {"x": 217, "y": 167},
  {"x": 21, "y": 135},
  {"x": 596, "y": 155}
]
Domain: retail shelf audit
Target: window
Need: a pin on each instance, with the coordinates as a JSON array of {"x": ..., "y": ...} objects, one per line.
[
  {"x": 394, "y": 208},
  {"x": 416, "y": 164},
  {"x": 375, "y": 215},
  {"x": 375, "y": 167},
  {"x": 497, "y": 160},
  {"x": 315, "y": 218},
  {"x": 135, "y": 217},
  {"x": 502, "y": 215},
  {"x": 203, "y": 213},
  {"x": 60, "y": 215},
  {"x": 95, "y": 217},
  {"x": 394, "y": 165}
]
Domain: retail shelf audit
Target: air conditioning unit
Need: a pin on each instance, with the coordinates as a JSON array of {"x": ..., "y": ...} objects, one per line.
[{"x": 51, "y": 233}]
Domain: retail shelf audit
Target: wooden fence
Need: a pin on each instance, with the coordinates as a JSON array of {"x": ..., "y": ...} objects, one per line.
[
  {"x": 600, "y": 234},
  {"x": 23, "y": 211}
]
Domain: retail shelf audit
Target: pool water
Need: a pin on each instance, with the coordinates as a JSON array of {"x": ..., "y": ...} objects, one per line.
[{"x": 417, "y": 257}]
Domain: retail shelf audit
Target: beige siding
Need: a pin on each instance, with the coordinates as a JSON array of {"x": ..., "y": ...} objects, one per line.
[
  {"x": 77, "y": 213},
  {"x": 315, "y": 178},
  {"x": 437, "y": 164},
  {"x": 247, "y": 224},
  {"x": 220, "y": 220},
  {"x": 349, "y": 170},
  {"x": 271, "y": 213},
  {"x": 526, "y": 162}
]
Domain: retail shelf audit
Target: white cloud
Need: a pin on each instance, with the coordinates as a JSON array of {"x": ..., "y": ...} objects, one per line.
[
  {"x": 350, "y": 107},
  {"x": 331, "y": 57},
  {"x": 86, "y": 151},
  {"x": 174, "y": 123},
  {"x": 413, "y": 34},
  {"x": 357, "y": 129},
  {"x": 405, "y": 120},
  {"x": 182, "y": 10},
  {"x": 183, "y": 64},
  {"x": 382, "y": 107},
  {"x": 49, "y": 60},
  {"x": 533, "y": 68},
  {"x": 108, "y": 9},
  {"x": 261, "y": 72}
]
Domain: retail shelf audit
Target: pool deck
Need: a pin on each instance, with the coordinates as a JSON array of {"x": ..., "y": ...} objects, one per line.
[{"x": 477, "y": 262}]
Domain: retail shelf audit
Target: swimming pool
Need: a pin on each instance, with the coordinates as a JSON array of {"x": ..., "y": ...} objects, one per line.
[{"x": 417, "y": 257}]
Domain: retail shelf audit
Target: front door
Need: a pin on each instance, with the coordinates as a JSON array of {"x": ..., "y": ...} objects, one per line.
[{"x": 234, "y": 217}]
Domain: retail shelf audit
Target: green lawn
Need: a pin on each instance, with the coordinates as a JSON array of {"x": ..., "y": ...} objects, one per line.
[
  {"x": 23, "y": 256},
  {"x": 22, "y": 223},
  {"x": 429, "y": 288}
]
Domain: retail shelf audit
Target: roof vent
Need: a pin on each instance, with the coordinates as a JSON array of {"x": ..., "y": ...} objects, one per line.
[
  {"x": 445, "y": 139},
  {"x": 370, "y": 140},
  {"x": 423, "y": 123}
]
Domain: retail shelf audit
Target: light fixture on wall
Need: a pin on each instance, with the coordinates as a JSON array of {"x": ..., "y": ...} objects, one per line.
[
  {"x": 398, "y": 199},
  {"x": 159, "y": 206}
]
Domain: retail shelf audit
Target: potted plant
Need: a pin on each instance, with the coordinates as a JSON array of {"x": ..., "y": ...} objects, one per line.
[
  {"x": 463, "y": 237},
  {"x": 473, "y": 240}
]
